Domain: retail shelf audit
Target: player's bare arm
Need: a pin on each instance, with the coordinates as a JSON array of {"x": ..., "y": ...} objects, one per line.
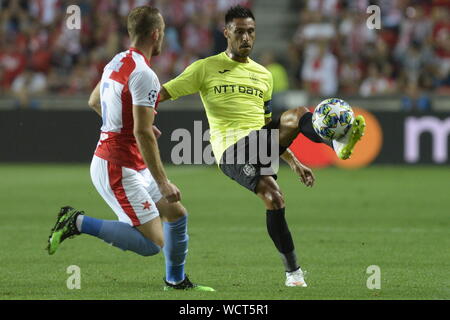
[
  {"x": 306, "y": 175},
  {"x": 146, "y": 140},
  {"x": 94, "y": 100},
  {"x": 164, "y": 95},
  {"x": 95, "y": 104}
]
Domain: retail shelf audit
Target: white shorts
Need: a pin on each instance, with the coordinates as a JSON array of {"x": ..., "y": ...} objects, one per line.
[{"x": 131, "y": 194}]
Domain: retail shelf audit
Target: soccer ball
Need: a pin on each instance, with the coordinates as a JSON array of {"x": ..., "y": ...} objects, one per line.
[{"x": 332, "y": 119}]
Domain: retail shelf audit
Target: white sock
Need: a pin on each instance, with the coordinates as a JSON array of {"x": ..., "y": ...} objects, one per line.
[{"x": 79, "y": 221}]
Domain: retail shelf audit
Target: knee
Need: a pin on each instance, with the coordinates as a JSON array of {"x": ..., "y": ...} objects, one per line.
[
  {"x": 173, "y": 212},
  {"x": 159, "y": 242},
  {"x": 291, "y": 118},
  {"x": 178, "y": 213},
  {"x": 152, "y": 248},
  {"x": 273, "y": 199},
  {"x": 156, "y": 243},
  {"x": 299, "y": 113}
]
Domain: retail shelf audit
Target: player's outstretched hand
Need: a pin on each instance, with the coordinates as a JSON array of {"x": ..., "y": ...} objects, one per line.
[
  {"x": 170, "y": 192},
  {"x": 306, "y": 175}
]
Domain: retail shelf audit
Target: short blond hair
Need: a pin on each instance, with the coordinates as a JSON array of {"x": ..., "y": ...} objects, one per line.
[{"x": 142, "y": 21}]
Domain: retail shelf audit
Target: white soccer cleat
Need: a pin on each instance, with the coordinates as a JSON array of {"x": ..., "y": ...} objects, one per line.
[
  {"x": 295, "y": 279},
  {"x": 344, "y": 146}
]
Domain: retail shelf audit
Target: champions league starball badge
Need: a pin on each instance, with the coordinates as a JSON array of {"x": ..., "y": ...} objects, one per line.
[{"x": 153, "y": 96}]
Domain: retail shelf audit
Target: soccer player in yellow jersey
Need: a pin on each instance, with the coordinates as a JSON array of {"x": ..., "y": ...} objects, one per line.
[{"x": 236, "y": 93}]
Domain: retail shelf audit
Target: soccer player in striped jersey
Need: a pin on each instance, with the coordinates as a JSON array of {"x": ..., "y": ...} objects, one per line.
[
  {"x": 236, "y": 93},
  {"x": 126, "y": 168}
]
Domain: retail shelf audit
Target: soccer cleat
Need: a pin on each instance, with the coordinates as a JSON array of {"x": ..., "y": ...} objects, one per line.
[
  {"x": 186, "y": 284},
  {"x": 344, "y": 146},
  {"x": 65, "y": 227},
  {"x": 295, "y": 278}
]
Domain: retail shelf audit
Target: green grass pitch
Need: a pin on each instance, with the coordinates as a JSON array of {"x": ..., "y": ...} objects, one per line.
[{"x": 394, "y": 217}]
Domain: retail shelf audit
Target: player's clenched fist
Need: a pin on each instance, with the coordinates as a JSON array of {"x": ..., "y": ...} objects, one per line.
[{"x": 170, "y": 191}]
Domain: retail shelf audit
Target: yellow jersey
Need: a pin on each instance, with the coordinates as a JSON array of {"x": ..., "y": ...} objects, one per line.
[{"x": 236, "y": 96}]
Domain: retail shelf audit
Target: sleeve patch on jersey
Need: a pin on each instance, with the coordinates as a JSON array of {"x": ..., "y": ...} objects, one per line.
[{"x": 153, "y": 97}]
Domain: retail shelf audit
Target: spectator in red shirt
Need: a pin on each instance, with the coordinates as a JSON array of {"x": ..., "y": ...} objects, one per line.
[{"x": 12, "y": 62}]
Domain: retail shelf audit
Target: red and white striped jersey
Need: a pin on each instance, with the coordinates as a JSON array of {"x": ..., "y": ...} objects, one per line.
[{"x": 126, "y": 81}]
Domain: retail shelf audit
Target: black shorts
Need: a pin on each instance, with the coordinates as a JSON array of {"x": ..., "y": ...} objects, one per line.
[{"x": 252, "y": 157}]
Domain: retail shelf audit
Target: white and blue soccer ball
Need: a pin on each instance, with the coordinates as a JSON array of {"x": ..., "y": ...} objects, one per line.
[{"x": 332, "y": 118}]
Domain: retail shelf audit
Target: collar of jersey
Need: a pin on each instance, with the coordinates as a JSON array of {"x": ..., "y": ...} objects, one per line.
[{"x": 140, "y": 52}]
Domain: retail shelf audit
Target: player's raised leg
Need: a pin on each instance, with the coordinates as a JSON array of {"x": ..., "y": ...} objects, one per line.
[
  {"x": 269, "y": 191},
  {"x": 71, "y": 222},
  {"x": 299, "y": 120},
  {"x": 175, "y": 222},
  {"x": 125, "y": 191}
]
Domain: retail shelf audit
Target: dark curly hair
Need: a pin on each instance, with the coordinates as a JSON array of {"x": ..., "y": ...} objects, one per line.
[{"x": 238, "y": 12}]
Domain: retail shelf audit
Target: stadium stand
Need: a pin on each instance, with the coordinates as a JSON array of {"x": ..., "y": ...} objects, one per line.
[{"x": 324, "y": 46}]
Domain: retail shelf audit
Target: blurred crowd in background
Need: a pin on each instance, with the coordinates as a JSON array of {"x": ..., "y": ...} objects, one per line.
[
  {"x": 331, "y": 51},
  {"x": 38, "y": 53}
]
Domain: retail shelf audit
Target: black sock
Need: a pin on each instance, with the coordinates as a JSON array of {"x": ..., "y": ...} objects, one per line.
[
  {"x": 306, "y": 128},
  {"x": 281, "y": 237}
]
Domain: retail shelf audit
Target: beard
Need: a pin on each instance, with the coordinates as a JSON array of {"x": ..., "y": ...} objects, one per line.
[{"x": 243, "y": 52}]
